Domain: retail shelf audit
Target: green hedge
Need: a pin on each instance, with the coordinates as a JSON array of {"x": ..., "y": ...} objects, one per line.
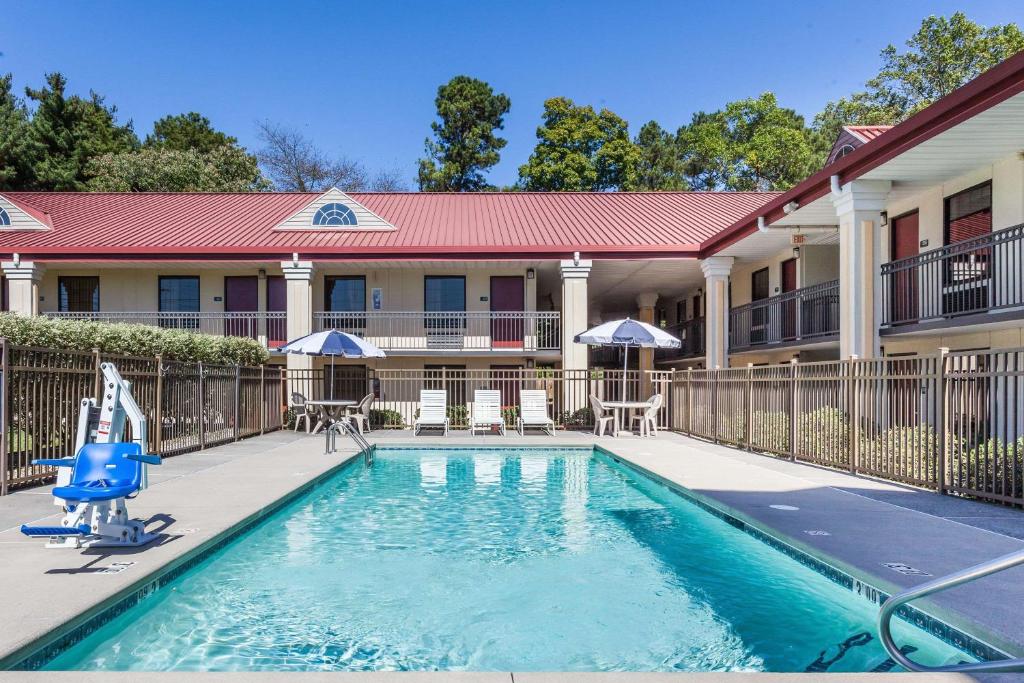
[{"x": 131, "y": 340}]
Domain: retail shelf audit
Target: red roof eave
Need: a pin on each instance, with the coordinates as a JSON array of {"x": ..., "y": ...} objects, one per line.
[{"x": 992, "y": 87}]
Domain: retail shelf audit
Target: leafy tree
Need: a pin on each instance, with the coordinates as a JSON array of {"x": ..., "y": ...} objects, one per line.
[
  {"x": 15, "y": 164},
  {"x": 944, "y": 54},
  {"x": 223, "y": 169},
  {"x": 661, "y": 165},
  {"x": 465, "y": 144},
  {"x": 752, "y": 144},
  {"x": 66, "y": 132},
  {"x": 187, "y": 131},
  {"x": 579, "y": 149}
]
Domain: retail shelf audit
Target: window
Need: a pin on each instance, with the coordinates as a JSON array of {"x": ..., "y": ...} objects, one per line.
[
  {"x": 178, "y": 294},
  {"x": 78, "y": 294},
  {"x": 444, "y": 293},
  {"x": 5, "y": 218},
  {"x": 345, "y": 293},
  {"x": 969, "y": 214},
  {"x": 345, "y": 303},
  {"x": 334, "y": 214}
]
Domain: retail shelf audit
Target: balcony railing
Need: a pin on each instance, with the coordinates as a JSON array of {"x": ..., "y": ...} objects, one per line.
[
  {"x": 270, "y": 327},
  {"x": 438, "y": 331},
  {"x": 979, "y": 275},
  {"x": 804, "y": 314},
  {"x": 691, "y": 334}
]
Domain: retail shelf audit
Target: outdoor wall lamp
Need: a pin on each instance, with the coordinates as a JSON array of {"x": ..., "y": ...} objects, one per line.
[
  {"x": 796, "y": 252},
  {"x": 883, "y": 218},
  {"x": 530, "y": 273}
]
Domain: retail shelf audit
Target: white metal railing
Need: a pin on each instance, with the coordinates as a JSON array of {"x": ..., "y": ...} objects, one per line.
[
  {"x": 270, "y": 327},
  {"x": 428, "y": 331}
]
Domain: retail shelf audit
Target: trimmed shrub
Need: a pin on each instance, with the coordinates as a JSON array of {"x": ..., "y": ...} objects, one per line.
[
  {"x": 131, "y": 340},
  {"x": 992, "y": 467},
  {"x": 903, "y": 452},
  {"x": 824, "y": 434},
  {"x": 385, "y": 418}
]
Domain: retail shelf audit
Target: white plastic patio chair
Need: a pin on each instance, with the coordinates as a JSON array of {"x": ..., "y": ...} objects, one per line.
[
  {"x": 301, "y": 410},
  {"x": 487, "y": 411},
  {"x": 433, "y": 410},
  {"x": 533, "y": 411},
  {"x": 649, "y": 418},
  {"x": 601, "y": 421},
  {"x": 361, "y": 414}
]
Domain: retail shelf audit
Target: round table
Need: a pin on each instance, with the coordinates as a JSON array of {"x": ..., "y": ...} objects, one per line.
[
  {"x": 619, "y": 407},
  {"x": 328, "y": 411}
]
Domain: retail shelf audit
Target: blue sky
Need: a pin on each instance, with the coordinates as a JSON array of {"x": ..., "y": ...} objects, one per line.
[{"x": 360, "y": 78}]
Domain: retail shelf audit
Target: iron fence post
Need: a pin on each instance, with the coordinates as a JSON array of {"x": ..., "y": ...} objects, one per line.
[
  {"x": 748, "y": 407},
  {"x": 794, "y": 407},
  {"x": 202, "y": 407},
  {"x": 158, "y": 411},
  {"x": 942, "y": 370},
  {"x": 238, "y": 402},
  {"x": 5, "y": 435},
  {"x": 851, "y": 409},
  {"x": 689, "y": 401},
  {"x": 263, "y": 399}
]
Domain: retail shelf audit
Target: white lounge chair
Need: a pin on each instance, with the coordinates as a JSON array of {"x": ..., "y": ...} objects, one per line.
[
  {"x": 487, "y": 411},
  {"x": 601, "y": 421},
  {"x": 649, "y": 419},
  {"x": 361, "y": 414},
  {"x": 533, "y": 411},
  {"x": 433, "y": 410}
]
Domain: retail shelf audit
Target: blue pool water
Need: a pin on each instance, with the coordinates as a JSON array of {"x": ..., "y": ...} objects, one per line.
[{"x": 495, "y": 559}]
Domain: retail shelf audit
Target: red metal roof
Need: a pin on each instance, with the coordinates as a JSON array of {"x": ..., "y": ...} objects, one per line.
[
  {"x": 866, "y": 133},
  {"x": 450, "y": 225}
]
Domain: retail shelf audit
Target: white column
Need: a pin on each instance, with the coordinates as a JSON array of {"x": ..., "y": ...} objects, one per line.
[
  {"x": 298, "y": 277},
  {"x": 645, "y": 304},
  {"x": 261, "y": 306},
  {"x": 858, "y": 207},
  {"x": 574, "y": 312},
  {"x": 23, "y": 285},
  {"x": 716, "y": 310}
]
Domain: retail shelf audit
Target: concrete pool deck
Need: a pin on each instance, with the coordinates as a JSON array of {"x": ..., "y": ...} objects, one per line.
[{"x": 199, "y": 497}]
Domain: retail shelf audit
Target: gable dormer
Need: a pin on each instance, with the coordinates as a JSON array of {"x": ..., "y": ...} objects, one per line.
[
  {"x": 14, "y": 217},
  {"x": 334, "y": 210}
]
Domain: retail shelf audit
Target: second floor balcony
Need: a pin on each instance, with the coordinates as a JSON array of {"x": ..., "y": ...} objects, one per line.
[
  {"x": 691, "y": 335},
  {"x": 808, "y": 314},
  {"x": 430, "y": 332},
  {"x": 971, "y": 281}
]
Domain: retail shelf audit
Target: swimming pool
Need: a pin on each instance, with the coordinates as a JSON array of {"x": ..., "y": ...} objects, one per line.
[{"x": 496, "y": 559}]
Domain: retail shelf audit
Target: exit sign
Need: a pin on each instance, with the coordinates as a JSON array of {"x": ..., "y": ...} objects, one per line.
[{"x": 796, "y": 239}]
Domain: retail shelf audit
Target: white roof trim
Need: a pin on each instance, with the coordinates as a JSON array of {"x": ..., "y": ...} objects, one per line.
[
  {"x": 20, "y": 219},
  {"x": 366, "y": 220}
]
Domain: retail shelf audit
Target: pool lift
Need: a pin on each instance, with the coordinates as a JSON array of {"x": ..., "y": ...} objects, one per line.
[{"x": 93, "y": 485}]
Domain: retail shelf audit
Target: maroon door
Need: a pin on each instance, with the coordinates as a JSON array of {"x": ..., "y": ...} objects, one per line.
[
  {"x": 508, "y": 294},
  {"x": 277, "y": 302},
  {"x": 789, "y": 306},
  {"x": 241, "y": 295},
  {"x": 904, "y": 281}
]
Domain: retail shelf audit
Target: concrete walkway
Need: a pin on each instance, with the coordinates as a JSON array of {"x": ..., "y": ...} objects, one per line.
[{"x": 207, "y": 493}]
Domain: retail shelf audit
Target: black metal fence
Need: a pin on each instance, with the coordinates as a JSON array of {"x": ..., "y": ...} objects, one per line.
[{"x": 188, "y": 406}]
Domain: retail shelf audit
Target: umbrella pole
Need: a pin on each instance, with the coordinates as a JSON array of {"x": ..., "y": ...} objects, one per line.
[
  {"x": 625, "y": 366},
  {"x": 332, "y": 376}
]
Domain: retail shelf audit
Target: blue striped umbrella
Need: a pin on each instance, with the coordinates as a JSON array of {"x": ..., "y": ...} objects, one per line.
[
  {"x": 332, "y": 343},
  {"x": 628, "y": 333}
]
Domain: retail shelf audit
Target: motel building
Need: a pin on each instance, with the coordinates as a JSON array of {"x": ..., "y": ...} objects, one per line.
[{"x": 910, "y": 239}]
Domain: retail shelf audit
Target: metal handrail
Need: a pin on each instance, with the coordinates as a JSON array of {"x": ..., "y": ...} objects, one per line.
[
  {"x": 331, "y": 438},
  {"x": 890, "y": 606}
]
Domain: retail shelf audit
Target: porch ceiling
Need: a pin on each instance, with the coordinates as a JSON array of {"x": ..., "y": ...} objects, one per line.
[{"x": 614, "y": 285}]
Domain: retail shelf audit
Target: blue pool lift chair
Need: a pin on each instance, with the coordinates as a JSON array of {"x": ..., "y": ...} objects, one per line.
[{"x": 103, "y": 476}]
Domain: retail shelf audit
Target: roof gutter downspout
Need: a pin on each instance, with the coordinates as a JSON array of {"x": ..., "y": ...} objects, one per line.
[{"x": 762, "y": 224}]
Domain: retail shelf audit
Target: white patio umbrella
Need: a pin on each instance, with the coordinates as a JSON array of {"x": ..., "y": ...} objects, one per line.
[
  {"x": 332, "y": 343},
  {"x": 628, "y": 333}
]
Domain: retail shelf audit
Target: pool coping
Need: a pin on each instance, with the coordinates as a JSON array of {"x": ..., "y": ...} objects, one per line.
[{"x": 42, "y": 649}]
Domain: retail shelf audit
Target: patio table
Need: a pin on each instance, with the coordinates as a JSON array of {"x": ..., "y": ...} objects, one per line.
[
  {"x": 619, "y": 407},
  {"x": 329, "y": 411}
]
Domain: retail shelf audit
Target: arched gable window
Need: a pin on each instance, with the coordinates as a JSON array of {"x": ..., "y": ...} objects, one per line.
[
  {"x": 334, "y": 214},
  {"x": 5, "y": 219}
]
